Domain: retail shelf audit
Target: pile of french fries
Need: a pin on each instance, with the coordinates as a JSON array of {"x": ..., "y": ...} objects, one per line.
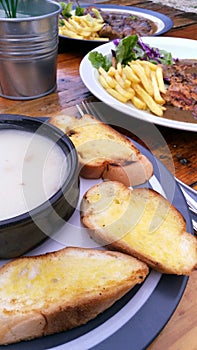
[
  {"x": 82, "y": 27},
  {"x": 139, "y": 82}
]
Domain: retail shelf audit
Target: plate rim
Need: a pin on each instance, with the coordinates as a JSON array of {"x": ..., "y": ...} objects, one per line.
[
  {"x": 174, "y": 284},
  {"x": 99, "y": 91},
  {"x": 167, "y": 21}
]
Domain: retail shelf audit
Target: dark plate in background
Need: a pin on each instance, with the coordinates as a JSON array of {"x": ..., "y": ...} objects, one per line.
[{"x": 164, "y": 24}]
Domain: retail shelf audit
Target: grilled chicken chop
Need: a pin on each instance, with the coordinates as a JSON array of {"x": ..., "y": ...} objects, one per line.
[{"x": 182, "y": 90}]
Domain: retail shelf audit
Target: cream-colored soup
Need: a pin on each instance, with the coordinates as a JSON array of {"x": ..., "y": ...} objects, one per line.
[{"x": 32, "y": 169}]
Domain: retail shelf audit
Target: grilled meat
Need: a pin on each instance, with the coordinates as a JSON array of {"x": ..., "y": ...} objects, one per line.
[
  {"x": 119, "y": 25},
  {"x": 182, "y": 90}
]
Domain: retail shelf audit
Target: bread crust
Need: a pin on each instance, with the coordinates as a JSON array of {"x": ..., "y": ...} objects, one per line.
[
  {"x": 64, "y": 314},
  {"x": 130, "y": 174},
  {"x": 59, "y": 318},
  {"x": 132, "y": 168}
]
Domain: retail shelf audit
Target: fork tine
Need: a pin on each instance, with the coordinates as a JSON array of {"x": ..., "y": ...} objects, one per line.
[
  {"x": 194, "y": 223},
  {"x": 85, "y": 109},
  {"x": 84, "y": 105},
  {"x": 80, "y": 110},
  {"x": 90, "y": 108}
]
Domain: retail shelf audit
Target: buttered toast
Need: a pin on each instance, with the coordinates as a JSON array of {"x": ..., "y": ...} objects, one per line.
[
  {"x": 103, "y": 151},
  {"x": 141, "y": 223},
  {"x": 57, "y": 291}
]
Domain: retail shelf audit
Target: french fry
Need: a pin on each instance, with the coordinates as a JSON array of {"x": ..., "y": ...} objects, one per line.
[
  {"x": 140, "y": 72},
  {"x": 131, "y": 91},
  {"x": 151, "y": 65},
  {"x": 117, "y": 95},
  {"x": 85, "y": 34},
  {"x": 125, "y": 83},
  {"x": 111, "y": 72},
  {"x": 152, "y": 105},
  {"x": 110, "y": 81},
  {"x": 119, "y": 68},
  {"x": 137, "y": 82},
  {"x": 82, "y": 27},
  {"x": 69, "y": 26},
  {"x": 96, "y": 37},
  {"x": 103, "y": 82},
  {"x": 70, "y": 34},
  {"x": 138, "y": 103},
  {"x": 157, "y": 95},
  {"x": 160, "y": 81},
  {"x": 96, "y": 29},
  {"x": 130, "y": 74},
  {"x": 125, "y": 93},
  {"x": 72, "y": 23},
  {"x": 147, "y": 69}
]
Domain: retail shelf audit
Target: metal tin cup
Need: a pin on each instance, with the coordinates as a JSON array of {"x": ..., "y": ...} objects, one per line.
[{"x": 28, "y": 50}]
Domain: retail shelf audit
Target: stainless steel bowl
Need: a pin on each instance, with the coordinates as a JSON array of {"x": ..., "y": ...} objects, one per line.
[{"x": 28, "y": 50}]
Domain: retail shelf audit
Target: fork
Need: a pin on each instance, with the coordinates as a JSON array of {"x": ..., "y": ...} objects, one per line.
[
  {"x": 89, "y": 108},
  {"x": 189, "y": 193}
]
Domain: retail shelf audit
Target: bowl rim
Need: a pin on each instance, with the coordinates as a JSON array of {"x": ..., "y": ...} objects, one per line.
[{"x": 26, "y": 123}]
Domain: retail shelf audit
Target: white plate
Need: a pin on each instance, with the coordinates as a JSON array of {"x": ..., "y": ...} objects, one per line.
[
  {"x": 180, "y": 48},
  {"x": 164, "y": 23}
]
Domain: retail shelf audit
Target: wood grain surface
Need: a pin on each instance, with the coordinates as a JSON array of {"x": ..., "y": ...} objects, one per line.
[
  {"x": 181, "y": 331},
  {"x": 71, "y": 91}
]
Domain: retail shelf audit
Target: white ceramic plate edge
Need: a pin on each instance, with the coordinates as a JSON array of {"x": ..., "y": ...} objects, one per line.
[{"x": 180, "y": 48}]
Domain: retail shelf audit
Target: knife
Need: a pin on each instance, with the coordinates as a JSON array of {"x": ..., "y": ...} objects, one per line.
[{"x": 190, "y": 196}]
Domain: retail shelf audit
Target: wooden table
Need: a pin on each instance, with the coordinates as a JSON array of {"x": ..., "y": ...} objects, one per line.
[{"x": 181, "y": 331}]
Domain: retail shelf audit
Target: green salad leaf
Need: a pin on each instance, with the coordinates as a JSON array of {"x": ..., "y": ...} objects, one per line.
[
  {"x": 128, "y": 49},
  {"x": 99, "y": 60},
  {"x": 124, "y": 50},
  {"x": 79, "y": 11},
  {"x": 166, "y": 57},
  {"x": 66, "y": 9},
  {"x": 61, "y": 22},
  {"x": 96, "y": 13}
]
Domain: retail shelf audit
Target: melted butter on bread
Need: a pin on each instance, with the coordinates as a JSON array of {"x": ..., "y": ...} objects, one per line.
[
  {"x": 103, "y": 151},
  {"x": 35, "y": 282},
  {"x": 142, "y": 223},
  {"x": 93, "y": 139}
]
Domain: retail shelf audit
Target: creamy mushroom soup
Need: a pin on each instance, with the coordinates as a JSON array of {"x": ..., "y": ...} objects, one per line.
[{"x": 32, "y": 169}]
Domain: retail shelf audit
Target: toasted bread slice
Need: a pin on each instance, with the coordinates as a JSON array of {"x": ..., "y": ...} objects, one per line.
[
  {"x": 103, "y": 151},
  {"x": 142, "y": 223},
  {"x": 50, "y": 293}
]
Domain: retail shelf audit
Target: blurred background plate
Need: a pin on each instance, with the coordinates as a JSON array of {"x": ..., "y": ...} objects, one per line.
[{"x": 163, "y": 23}]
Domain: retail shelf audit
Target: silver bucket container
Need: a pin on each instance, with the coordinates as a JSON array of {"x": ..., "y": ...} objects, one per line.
[{"x": 28, "y": 50}]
